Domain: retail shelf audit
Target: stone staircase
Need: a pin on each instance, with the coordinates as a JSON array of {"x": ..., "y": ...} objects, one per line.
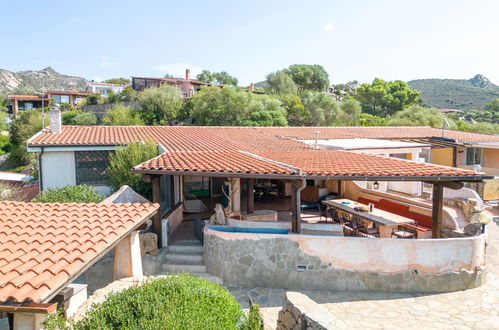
[{"x": 186, "y": 256}]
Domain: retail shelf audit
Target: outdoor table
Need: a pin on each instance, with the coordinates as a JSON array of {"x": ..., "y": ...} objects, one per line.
[{"x": 386, "y": 221}]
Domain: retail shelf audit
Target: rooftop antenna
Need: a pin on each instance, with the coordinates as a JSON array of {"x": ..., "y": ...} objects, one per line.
[
  {"x": 446, "y": 124},
  {"x": 317, "y": 134}
]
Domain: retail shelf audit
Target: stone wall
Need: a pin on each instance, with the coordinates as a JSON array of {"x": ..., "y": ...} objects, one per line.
[
  {"x": 100, "y": 110},
  {"x": 345, "y": 263},
  {"x": 300, "y": 312}
]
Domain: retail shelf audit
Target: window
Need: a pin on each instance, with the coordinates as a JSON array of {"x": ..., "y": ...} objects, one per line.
[
  {"x": 60, "y": 99},
  {"x": 473, "y": 156},
  {"x": 91, "y": 166}
]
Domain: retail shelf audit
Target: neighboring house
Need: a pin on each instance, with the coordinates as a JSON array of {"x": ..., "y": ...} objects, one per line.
[
  {"x": 46, "y": 246},
  {"x": 187, "y": 85},
  {"x": 15, "y": 179},
  {"x": 18, "y": 103},
  {"x": 103, "y": 88},
  {"x": 202, "y": 158}
]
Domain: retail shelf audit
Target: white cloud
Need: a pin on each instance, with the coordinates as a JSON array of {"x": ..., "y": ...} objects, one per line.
[
  {"x": 105, "y": 62},
  {"x": 178, "y": 69},
  {"x": 329, "y": 26}
]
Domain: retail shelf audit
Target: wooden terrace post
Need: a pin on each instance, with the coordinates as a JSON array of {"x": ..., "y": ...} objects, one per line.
[
  {"x": 250, "y": 200},
  {"x": 436, "y": 216},
  {"x": 340, "y": 194},
  {"x": 156, "y": 198},
  {"x": 454, "y": 156}
]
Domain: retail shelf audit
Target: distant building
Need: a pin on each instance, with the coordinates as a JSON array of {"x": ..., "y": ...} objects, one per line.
[
  {"x": 187, "y": 85},
  {"x": 18, "y": 103},
  {"x": 103, "y": 88}
]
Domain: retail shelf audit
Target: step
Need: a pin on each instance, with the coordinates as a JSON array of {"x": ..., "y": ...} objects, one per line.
[
  {"x": 211, "y": 278},
  {"x": 183, "y": 258},
  {"x": 180, "y": 268},
  {"x": 186, "y": 249},
  {"x": 187, "y": 241}
]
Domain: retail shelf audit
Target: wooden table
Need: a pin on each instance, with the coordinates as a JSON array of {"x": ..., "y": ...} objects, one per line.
[{"x": 386, "y": 221}]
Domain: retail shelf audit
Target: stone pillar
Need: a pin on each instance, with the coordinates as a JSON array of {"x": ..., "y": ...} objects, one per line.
[
  {"x": 235, "y": 195},
  {"x": 28, "y": 321},
  {"x": 297, "y": 187},
  {"x": 15, "y": 108},
  {"x": 127, "y": 259}
]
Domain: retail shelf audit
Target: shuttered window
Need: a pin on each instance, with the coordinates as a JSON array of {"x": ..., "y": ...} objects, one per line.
[{"x": 91, "y": 166}]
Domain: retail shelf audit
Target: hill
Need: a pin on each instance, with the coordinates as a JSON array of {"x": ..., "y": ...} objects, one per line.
[
  {"x": 36, "y": 81},
  {"x": 459, "y": 94}
]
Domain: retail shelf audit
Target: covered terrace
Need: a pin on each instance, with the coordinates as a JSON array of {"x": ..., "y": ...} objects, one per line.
[{"x": 336, "y": 169}]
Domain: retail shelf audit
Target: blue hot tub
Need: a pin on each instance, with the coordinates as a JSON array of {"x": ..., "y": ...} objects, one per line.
[{"x": 250, "y": 230}]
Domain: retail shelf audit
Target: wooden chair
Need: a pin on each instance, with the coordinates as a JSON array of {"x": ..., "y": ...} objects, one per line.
[
  {"x": 366, "y": 229},
  {"x": 402, "y": 232}
]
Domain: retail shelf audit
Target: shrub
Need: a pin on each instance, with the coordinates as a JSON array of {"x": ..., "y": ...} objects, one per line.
[
  {"x": 123, "y": 160},
  {"x": 69, "y": 116},
  {"x": 159, "y": 106},
  {"x": 21, "y": 129},
  {"x": 175, "y": 302},
  {"x": 93, "y": 98},
  {"x": 70, "y": 194},
  {"x": 5, "y": 145},
  {"x": 254, "y": 320},
  {"x": 121, "y": 115},
  {"x": 66, "y": 107},
  {"x": 85, "y": 118}
]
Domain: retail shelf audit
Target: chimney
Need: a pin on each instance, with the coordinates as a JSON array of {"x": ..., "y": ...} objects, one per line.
[
  {"x": 187, "y": 74},
  {"x": 55, "y": 119},
  {"x": 252, "y": 87}
]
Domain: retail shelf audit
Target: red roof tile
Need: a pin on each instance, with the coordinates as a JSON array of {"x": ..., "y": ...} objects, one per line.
[
  {"x": 42, "y": 246},
  {"x": 183, "y": 138}
]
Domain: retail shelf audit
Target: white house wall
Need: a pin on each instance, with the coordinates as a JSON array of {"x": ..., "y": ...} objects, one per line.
[{"x": 58, "y": 169}]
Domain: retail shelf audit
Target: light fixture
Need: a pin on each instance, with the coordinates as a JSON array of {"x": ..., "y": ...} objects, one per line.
[{"x": 376, "y": 185}]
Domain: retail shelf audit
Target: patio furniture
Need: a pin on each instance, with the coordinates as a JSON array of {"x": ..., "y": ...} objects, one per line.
[
  {"x": 400, "y": 232},
  {"x": 384, "y": 221},
  {"x": 365, "y": 229}
]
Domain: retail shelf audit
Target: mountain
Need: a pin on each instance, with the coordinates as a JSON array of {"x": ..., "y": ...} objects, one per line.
[
  {"x": 37, "y": 81},
  {"x": 459, "y": 94}
]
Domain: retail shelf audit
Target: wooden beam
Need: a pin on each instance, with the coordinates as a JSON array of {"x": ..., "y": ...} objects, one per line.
[
  {"x": 296, "y": 207},
  {"x": 340, "y": 195},
  {"x": 156, "y": 198},
  {"x": 250, "y": 199},
  {"x": 454, "y": 156},
  {"x": 449, "y": 184},
  {"x": 436, "y": 215}
]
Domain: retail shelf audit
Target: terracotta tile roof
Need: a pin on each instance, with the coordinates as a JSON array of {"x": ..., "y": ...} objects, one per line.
[
  {"x": 26, "y": 97},
  {"x": 66, "y": 93},
  {"x": 213, "y": 161},
  {"x": 345, "y": 163},
  {"x": 182, "y": 138},
  {"x": 43, "y": 246},
  {"x": 290, "y": 163}
]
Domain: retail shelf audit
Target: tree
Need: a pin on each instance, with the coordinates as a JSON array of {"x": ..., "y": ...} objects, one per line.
[
  {"x": 309, "y": 77},
  {"x": 493, "y": 106},
  {"x": 222, "y": 78},
  {"x": 280, "y": 82},
  {"x": 121, "y": 115},
  {"x": 70, "y": 194},
  {"x": 230, "y": 106},
  {"x": 21, "y": 129},
  {"x": 297, "y": 115},
  {"x": 117, "y": 81},
  {"x": 113, "y": 97},
  {"x": 167, "y": 75},
  {"x": 324, "y": 110},
  {"x": 4, "y": 116},
  {"x": 123, "y": 160},
  {"x": 382, "y": 98},
  {"x": 351, "y": 110},
  {"x": 159, "y": 106},
  {"x": 416, "y": 115},
  {"x": 85, "y": 118},
  {"x": 129, "y": 95},
  {"x": 93, "y": 98}
]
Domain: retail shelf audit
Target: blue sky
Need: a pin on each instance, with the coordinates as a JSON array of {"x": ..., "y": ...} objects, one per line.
[{"x": 353, "y": 40}]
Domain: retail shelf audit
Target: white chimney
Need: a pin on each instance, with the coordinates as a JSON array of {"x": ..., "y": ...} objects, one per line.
[{"x": 55, "y": 119}]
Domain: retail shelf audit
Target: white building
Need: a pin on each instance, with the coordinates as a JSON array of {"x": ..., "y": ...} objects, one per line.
[{"x": 103, "y": 89}]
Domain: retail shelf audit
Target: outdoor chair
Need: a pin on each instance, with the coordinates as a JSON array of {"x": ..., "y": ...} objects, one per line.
[
  {"x": 401, "y": 232},
  {"x": 368, "y": 231}
]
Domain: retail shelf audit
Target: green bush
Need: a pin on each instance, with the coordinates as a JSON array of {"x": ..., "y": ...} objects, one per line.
[
  {"x": 85, "y": 118},
  {"x": 160, "y": 106},
  {"x": 5, "y": 145},
  {"x": 175, "y": 302},
  {"x": 121, "y": 115},
  {"x": 122, "y": 160},
  {"x": 78, "y": 117},
  {"x": 70, "y": 194}
]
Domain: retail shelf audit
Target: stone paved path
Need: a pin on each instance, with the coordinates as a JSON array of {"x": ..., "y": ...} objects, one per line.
[{"x": 471, "y": 309}]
